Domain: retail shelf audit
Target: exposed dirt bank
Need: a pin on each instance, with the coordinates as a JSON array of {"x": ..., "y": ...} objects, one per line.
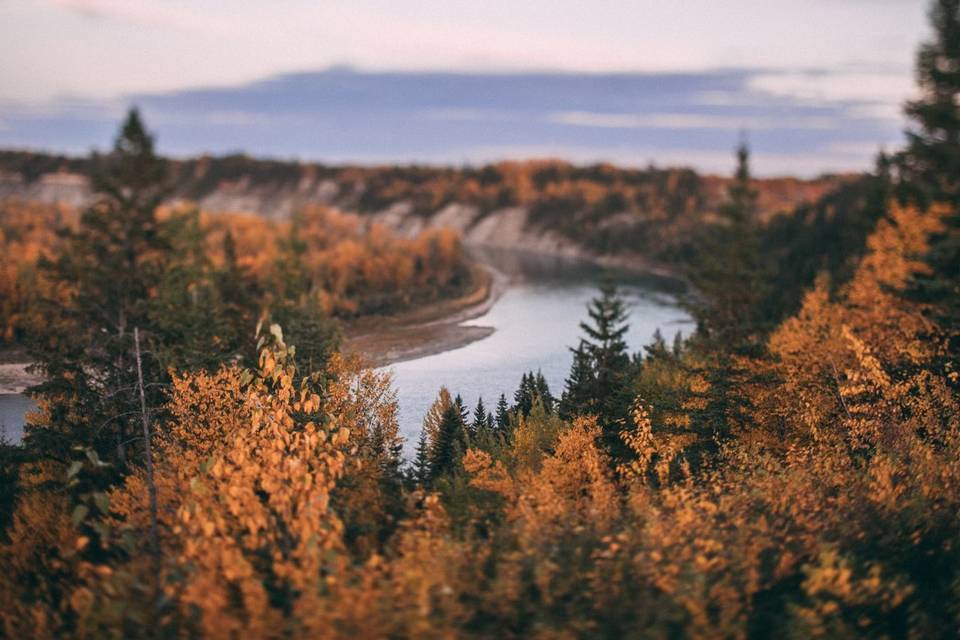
[{"x": 427, "y": 330}]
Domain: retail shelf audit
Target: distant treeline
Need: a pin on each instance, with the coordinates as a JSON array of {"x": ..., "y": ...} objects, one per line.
[{"x": 605, "y": 209}]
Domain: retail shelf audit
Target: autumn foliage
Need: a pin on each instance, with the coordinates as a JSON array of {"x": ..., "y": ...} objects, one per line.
[
  {"x": 322, "y": 257},
  {"x": 282, "y": 511}
]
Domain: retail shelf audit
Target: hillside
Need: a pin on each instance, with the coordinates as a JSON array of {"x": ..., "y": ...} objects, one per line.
[{"x": 637, "y": 215}]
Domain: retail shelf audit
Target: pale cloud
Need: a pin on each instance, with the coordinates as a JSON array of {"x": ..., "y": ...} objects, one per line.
[
  {"x": 816, "y": 87},
  {"x": 688, "y": 121},
  {"x": 101, "y": 48}
]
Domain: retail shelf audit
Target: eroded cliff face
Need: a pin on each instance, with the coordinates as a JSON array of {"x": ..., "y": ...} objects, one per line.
[
  {"x": 623, "y": 216},
  {"x": 506, "y": 227}
]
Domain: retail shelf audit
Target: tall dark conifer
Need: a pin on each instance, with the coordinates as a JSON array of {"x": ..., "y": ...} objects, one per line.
[
  {"x": 931, "y": 162},
  {"x": 452, "y": 442},
  {"x": 542, "y": 392},
  {"x": 580, "y": 391},
  {"x": 503, "y": 417},
  {"x": 113, "y": 264},
  {"x": 930, "y": 170}
]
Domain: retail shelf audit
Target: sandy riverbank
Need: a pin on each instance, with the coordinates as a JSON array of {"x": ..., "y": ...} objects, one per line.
[{"x": 428, "y": 330}]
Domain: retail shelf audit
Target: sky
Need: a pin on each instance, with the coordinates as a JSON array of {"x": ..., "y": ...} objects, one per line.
[{"x": 70, "y": 64}]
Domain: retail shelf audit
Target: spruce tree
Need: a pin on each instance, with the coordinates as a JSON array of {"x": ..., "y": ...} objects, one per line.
[
  {"x": 542, "y": 392},
  {"x": 503, "y": 417},
  {"x": 240, "y": 297},
  {"x": 523, "y": 396},
  {"x": 611, "y": 363},
  {"x": 580, "y": 393},
  {"x": 421, "y": 461},
  {"x": 192, "y": 327},
  {"x": 113, "y": 264},
  {"x": 479, "y": 416},
  {"x": 451, "y": 443},
  {"x": 931, "y": 163},
  {"x": 732, "y": 277},
  {"x": 930, "y": 170}
]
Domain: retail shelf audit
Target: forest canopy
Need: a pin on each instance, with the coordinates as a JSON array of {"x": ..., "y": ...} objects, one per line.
[{"x": 790, "y": 470}]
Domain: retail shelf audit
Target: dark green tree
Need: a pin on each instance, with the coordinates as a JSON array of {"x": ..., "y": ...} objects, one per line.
[
  {"x": 503, "y": 417},
  {"x": 580, "y": 392},
  {"x": 421, "y": 461},
  {"x": 931, "y": 163},
  {"x": 112, "y": 264},
  {"x": 240, "y": 298},
  {"x": 479, "y": 416},
  {"x": 451, "y": 443},
  {"x": 542, "y": 392},
  {"x": 611, "y": 363},
  {"x": 733, "y": 279},
  {"x": 524, "y": 395},
  {"x": 192, "y": 326},
  {"x": 930, "y": 169}
]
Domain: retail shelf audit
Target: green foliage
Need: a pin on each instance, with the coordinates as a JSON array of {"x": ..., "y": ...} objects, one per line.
[
  {"x": 113, "y": 264},
  {"x": 452, "y": 442},
  {"x": 601, "y": 370}
]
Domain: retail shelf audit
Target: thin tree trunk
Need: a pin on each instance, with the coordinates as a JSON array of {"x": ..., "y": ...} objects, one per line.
[{"x": 151, "y": 485}]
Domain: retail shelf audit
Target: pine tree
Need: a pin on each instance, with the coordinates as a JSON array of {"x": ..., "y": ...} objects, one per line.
[
  {"x": 240, "y": 298},
  {"x": 503, "y": 417},
  {"x": 931, "y": 163},
  {"x": 523, "y": 396},
  {"x": 479, "y": 416},
  {"x": 611, "y": 367},
  {"x": 580, "y": 393},
  {"x": 434, "y": 417},
  {"x": 192, "y": 327},
  {"x": 113, "y": 263},
  {"x": 732, "y": 319},
  {"x": 421, "y": 460},
  {"x": 542, "y": 392},
  {"x": 930, "y": 170},
  {"x": 451, "y": 443}
]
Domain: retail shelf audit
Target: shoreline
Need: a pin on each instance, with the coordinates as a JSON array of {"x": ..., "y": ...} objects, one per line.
[
  {"x": 429, "y": 331},
  {"x": 409, "y": 335}
]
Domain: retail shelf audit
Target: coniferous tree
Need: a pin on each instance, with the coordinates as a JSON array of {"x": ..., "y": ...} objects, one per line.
[
  {"x": 451, "y": 443},
  {"x": 580, "y": 393},
  {"x": 479, "y": 416},
  {"x": 523, "y": 396},
  {"x": 503, "y": 417},
  {"x": 931, "y": 162},
  {"x": 732, "y": 276},
  {"x": 192, "y": 326},
  {"x": 462, "y": 411},
  {"x": 930, "y": 169},
  {"x": 240, "y": 298},
  {"x": 542, "y": 392},
  {"x": 431, "y": 421},
  {"x": 113, "y": 264},
  {"x": 421, "y": 460},
  {"x": 611, "y": 363}
]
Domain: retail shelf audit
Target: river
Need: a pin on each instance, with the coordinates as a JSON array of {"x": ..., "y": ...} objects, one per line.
[{"x": 536, "y": 320}]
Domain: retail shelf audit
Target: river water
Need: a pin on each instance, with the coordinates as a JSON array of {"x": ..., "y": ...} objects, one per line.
[
  {"x": 536, "y": 320},
  {"x": 13, "y": 411}
]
